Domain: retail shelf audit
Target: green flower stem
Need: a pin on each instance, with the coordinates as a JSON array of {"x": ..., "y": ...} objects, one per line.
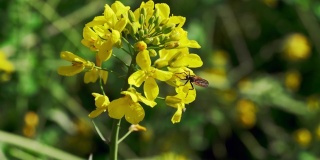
[
  {"x": 114, "y": 139},
  {"x": 116, "y": 122},
  {"x": 101, "y": 85},
  {"x": 35, "y": 146},
  {"x": 125, "y": 136}
]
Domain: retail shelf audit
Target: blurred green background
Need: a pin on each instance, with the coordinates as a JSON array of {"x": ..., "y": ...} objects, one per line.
[{"x": 261, "y": 58}]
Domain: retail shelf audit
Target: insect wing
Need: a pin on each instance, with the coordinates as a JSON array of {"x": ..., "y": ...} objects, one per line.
[{"x": 200, "y": 81}]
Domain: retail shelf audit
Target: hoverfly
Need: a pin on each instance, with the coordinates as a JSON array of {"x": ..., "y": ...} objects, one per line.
[{"x": 193, "y": 79}]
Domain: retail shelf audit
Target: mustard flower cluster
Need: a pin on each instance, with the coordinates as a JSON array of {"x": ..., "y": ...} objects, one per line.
[{"x": 160, "y": 52}]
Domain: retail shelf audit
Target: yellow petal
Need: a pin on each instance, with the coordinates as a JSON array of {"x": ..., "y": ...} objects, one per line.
[
  {"x": 132, "y": 94},
  {"x": 173, "y": 101},
  {"x": 193, "y": 44},
  {"x": 119, "y": 8},
  {"x": 121, "y": 24},
  {"x": 91, "y": 76},
  {"x": 117, "y": 108},
  {"x": 70, "y": 70},
  {"x": 143, "y": 60},
  {"x": 96, "y": 112},
  {"x": 105, "y": 51},
  {"x": 89, "y": 34},
  {"x": 164, "y": 10},
  {"x": 191, "y": 96},
  {"x": 162, "y": 75},
  {"x": 146, "y": 101},
  {"x": 151, "y": 89},
  {"x": 137, "y": 78},
  {"x": 102, "y": 101},
  {"x": 135, "y": 114},
  {"x": 104, "y": 75},
  {"x": 177, "y": 20},
  {"x": 66, "y": 55},
  {"x": 165, "y": 57},
  {"x": 191, "y": 61},
  {"x": 115, "y": 36},
  {"x": 177, "y": 116},
  {"x": 108, "y": 13}
]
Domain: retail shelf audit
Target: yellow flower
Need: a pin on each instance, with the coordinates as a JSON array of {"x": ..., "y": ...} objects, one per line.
[
  {"x": 101, "y": 102},
  {"x": 184, "y": 96},
  {"x": 178, "y": 58},
  {"x": 313, "y": 103},
  {"x": 93, "y": 75},
  {"x": 303, "y": 137},
  {"x": 292, "y": 80},
  {"x": 103, "y": 32},
  {"x": 317, "y": 132},
  {"x": 246, "y": 113},
  {"x": 180, "y": 36},
  {"x": 296, "y": 47},
  {"x": 129, "y": 107},
  {"x": 90, "y": 38},
  {"x": 5, "y": 65},
  {"x": 148, "y": 74},
  {"x": 78, "y": 64}
]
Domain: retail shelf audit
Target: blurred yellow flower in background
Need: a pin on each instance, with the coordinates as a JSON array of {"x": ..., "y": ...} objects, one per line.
[
  {"x": 317, "y": 132},
  {"x": 246, "y": 110},
  {"x": 303, "y": 137},
  {"x": 5, "y": 66},
  {"x": 219, "y": 59},
  {"x": 31, "y": 120},
  {"x": 292, "y": 80},
  {"x": 296, "y": 47},
  {"x": 271, "y": 3},
  {"x": 313, "y": 102}
]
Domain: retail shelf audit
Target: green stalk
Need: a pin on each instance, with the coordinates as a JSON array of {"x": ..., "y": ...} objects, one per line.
[
  {"x": 114, "y": 139},
  {"x": 117, "y": 122}
]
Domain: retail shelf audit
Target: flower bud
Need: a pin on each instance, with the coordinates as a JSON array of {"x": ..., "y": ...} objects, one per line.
[
  {"x": 143, "y": 11},
  {"x": 175, "y": 35},
  {"x": 131, "y": 29},
  {"x": 156, "y": 12},
  {"x": 141, "y": 19},
  {"x": 140, "y": 46},
  {"x": 151, "y": 20},
  {"x": 148, "y": 40},
  {"x": 156, "y": 41},
  {"x": 145, "y": 31},
  {"x": 152, "y": 52},
  {"x": 131, "y": 16},
  {"x": 141, "y": 33},
  {"x": 158, "y": 29},
  {"x": 171, "y": 45},
  {"x": 168, "y": 28},
  {"x": 157, "y": 21},
  {"x": 137, "y": 127},
  {"x": 162, "y": 38}
]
